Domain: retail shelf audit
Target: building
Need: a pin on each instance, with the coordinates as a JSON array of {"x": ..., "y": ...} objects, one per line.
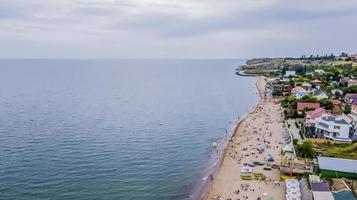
[
  {"x": 290, "y": 73},
  {"x": 312, "y": 115},
  {"x": 277, "y": 88},
  {"x": 316, "y": 82},
  {"x": 337, "y": 167},
  {"x": 336, "y": 107},
  {"x": 321, "y": 191},
  {"x": 286, "y": 89},
  {"x": 351, "y": 98},
  {"x": 322, "y": 195},
  {"x": 306, "y": 86},
  {"x": 319, "y": 94},
  {"x": 308, "y": 106},
  {"x": 319, "y": 71},
  {"x": 344, "y": 195},
  {"x": 333, "y": 127},
  {"x": 353, "y": 56},
  {"x": 337, "y": 92},
  {"x": 292, "y": 189},
  {"x": 321, "y": 187},
  {"x": 352, "y": 82},
  {"x": 344, "y": 80},
  {"x": 353, "y": 115},
  {"x": 299, "y": 92}
]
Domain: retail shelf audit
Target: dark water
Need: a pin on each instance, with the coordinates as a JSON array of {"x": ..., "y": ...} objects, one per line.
[{"x": 113, "y": 129}]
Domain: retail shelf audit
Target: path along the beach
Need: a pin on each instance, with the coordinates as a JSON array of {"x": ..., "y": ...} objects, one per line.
[{"x": 263, "y": 128}]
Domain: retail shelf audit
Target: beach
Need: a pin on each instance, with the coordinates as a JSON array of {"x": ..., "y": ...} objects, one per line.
[{"x": 257, "y": 139}]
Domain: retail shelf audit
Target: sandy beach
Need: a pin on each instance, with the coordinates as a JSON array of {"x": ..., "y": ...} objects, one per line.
[{"x": 258, "y": 137}]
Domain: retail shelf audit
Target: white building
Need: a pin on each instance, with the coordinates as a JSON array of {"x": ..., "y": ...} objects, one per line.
[
  {"x": 292, "y": 189},
  {"x": 289, "y": 73},
  {"x": 353, "y": 115},
  {"x": 319, "y": 71},
  {"x": 318, "y": 94},
  {"x": 333, "y": 127}
]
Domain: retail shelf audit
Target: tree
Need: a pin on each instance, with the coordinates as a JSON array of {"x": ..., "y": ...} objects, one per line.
[
  {"x": 347, "y": 109},
  {"x": 295, "y": 141},
  {"x": 326, "y": 103},
  {"x": 306, "y": 149}
]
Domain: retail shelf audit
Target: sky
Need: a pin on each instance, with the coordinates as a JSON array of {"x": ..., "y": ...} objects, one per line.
[{"x": 176, "y": 28}]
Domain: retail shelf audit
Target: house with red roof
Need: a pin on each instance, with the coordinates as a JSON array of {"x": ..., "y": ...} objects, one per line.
[
  {"x": 305, "y": 105},
  {"x": 351, "y": 98},
  {"x": 336, "y": 107},
  {"x": 313, "y": 114}
]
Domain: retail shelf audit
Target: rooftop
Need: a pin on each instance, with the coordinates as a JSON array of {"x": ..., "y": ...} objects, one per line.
[
  {"x": 316, "y": 81},
  {"x": 337, "y": 164},
  {"x": 323, "y": 195},
  {"x": 316, "y": 113},
  {"x": 351, "y": 95},
  {"x": 323, "y": 186},
  {"x": 343, "y": 195},
  {"x": 302, "y": 106},
  {"x": 336, "y": 102},
  {"x": 298, "y": 88},
  {"x": 331, "y": 118}
]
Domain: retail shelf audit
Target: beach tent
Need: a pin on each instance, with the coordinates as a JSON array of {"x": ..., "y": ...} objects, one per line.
[{"x": 270, "y": 159}]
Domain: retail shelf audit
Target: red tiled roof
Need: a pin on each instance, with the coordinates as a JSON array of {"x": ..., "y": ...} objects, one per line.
[
  {"x": 316, "y": 113},
  {"x": 302, "y": 106},
  {"x": 336, "y": 102}
]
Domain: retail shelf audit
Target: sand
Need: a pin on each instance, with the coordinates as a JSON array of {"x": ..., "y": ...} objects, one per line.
[{"x": 262, "y": 127}]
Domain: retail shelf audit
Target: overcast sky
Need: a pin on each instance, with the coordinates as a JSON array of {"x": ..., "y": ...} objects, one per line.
[{"x": 175, "y": 28}]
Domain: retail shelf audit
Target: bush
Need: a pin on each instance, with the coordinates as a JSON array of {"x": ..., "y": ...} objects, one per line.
[
  {"x": 347, "y": 109},
  {"x": 306, "y": 150},
  {"x": 295, "y": 141}
]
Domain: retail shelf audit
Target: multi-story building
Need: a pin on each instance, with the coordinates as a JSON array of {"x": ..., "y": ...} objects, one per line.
[{"x": 333, "y": 127}]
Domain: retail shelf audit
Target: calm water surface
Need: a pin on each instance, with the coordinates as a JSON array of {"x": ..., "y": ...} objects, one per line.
[{"x": 113, "y": 129}]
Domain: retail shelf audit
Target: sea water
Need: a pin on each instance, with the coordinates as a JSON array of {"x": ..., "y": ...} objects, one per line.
[{"x": 114, "y": 129}]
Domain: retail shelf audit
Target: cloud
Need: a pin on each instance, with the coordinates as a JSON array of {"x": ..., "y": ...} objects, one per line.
[{"x": 175, "y": 28}]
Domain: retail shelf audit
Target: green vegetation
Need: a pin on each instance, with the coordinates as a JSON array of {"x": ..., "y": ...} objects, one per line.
[
  {"x": 338, "y": 150},
  {"x": 305, "y": 149},
  {"x": 347, "y": 109},
  {"x": 335, "y": 174},
  {"x": 277, "y": 93},
  {"x": 295, "y": 141},
  {"x": 350, "y": 89}
]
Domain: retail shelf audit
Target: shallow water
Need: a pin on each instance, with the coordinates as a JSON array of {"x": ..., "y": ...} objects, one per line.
[{"x": 113, "y": 129}]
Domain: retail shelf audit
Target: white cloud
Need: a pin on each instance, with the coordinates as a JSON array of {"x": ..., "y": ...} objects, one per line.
[{"x": 175, "y": 28}]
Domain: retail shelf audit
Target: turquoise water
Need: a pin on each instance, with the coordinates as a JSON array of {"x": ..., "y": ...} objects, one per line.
[{"x": 114, "y": 129}]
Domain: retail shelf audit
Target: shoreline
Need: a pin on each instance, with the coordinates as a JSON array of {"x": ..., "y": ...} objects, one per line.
[
  {"x": 207, "y": 186},
  {"x": 227, "y": 167}
]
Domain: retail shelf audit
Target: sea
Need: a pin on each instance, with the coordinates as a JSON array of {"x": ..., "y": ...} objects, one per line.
[{"x": 82, "y": 129}]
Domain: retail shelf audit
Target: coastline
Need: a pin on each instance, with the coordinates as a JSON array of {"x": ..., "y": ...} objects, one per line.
[
  {"x": 204, "y": 190},
  {"x": 228, "y": 170}
]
